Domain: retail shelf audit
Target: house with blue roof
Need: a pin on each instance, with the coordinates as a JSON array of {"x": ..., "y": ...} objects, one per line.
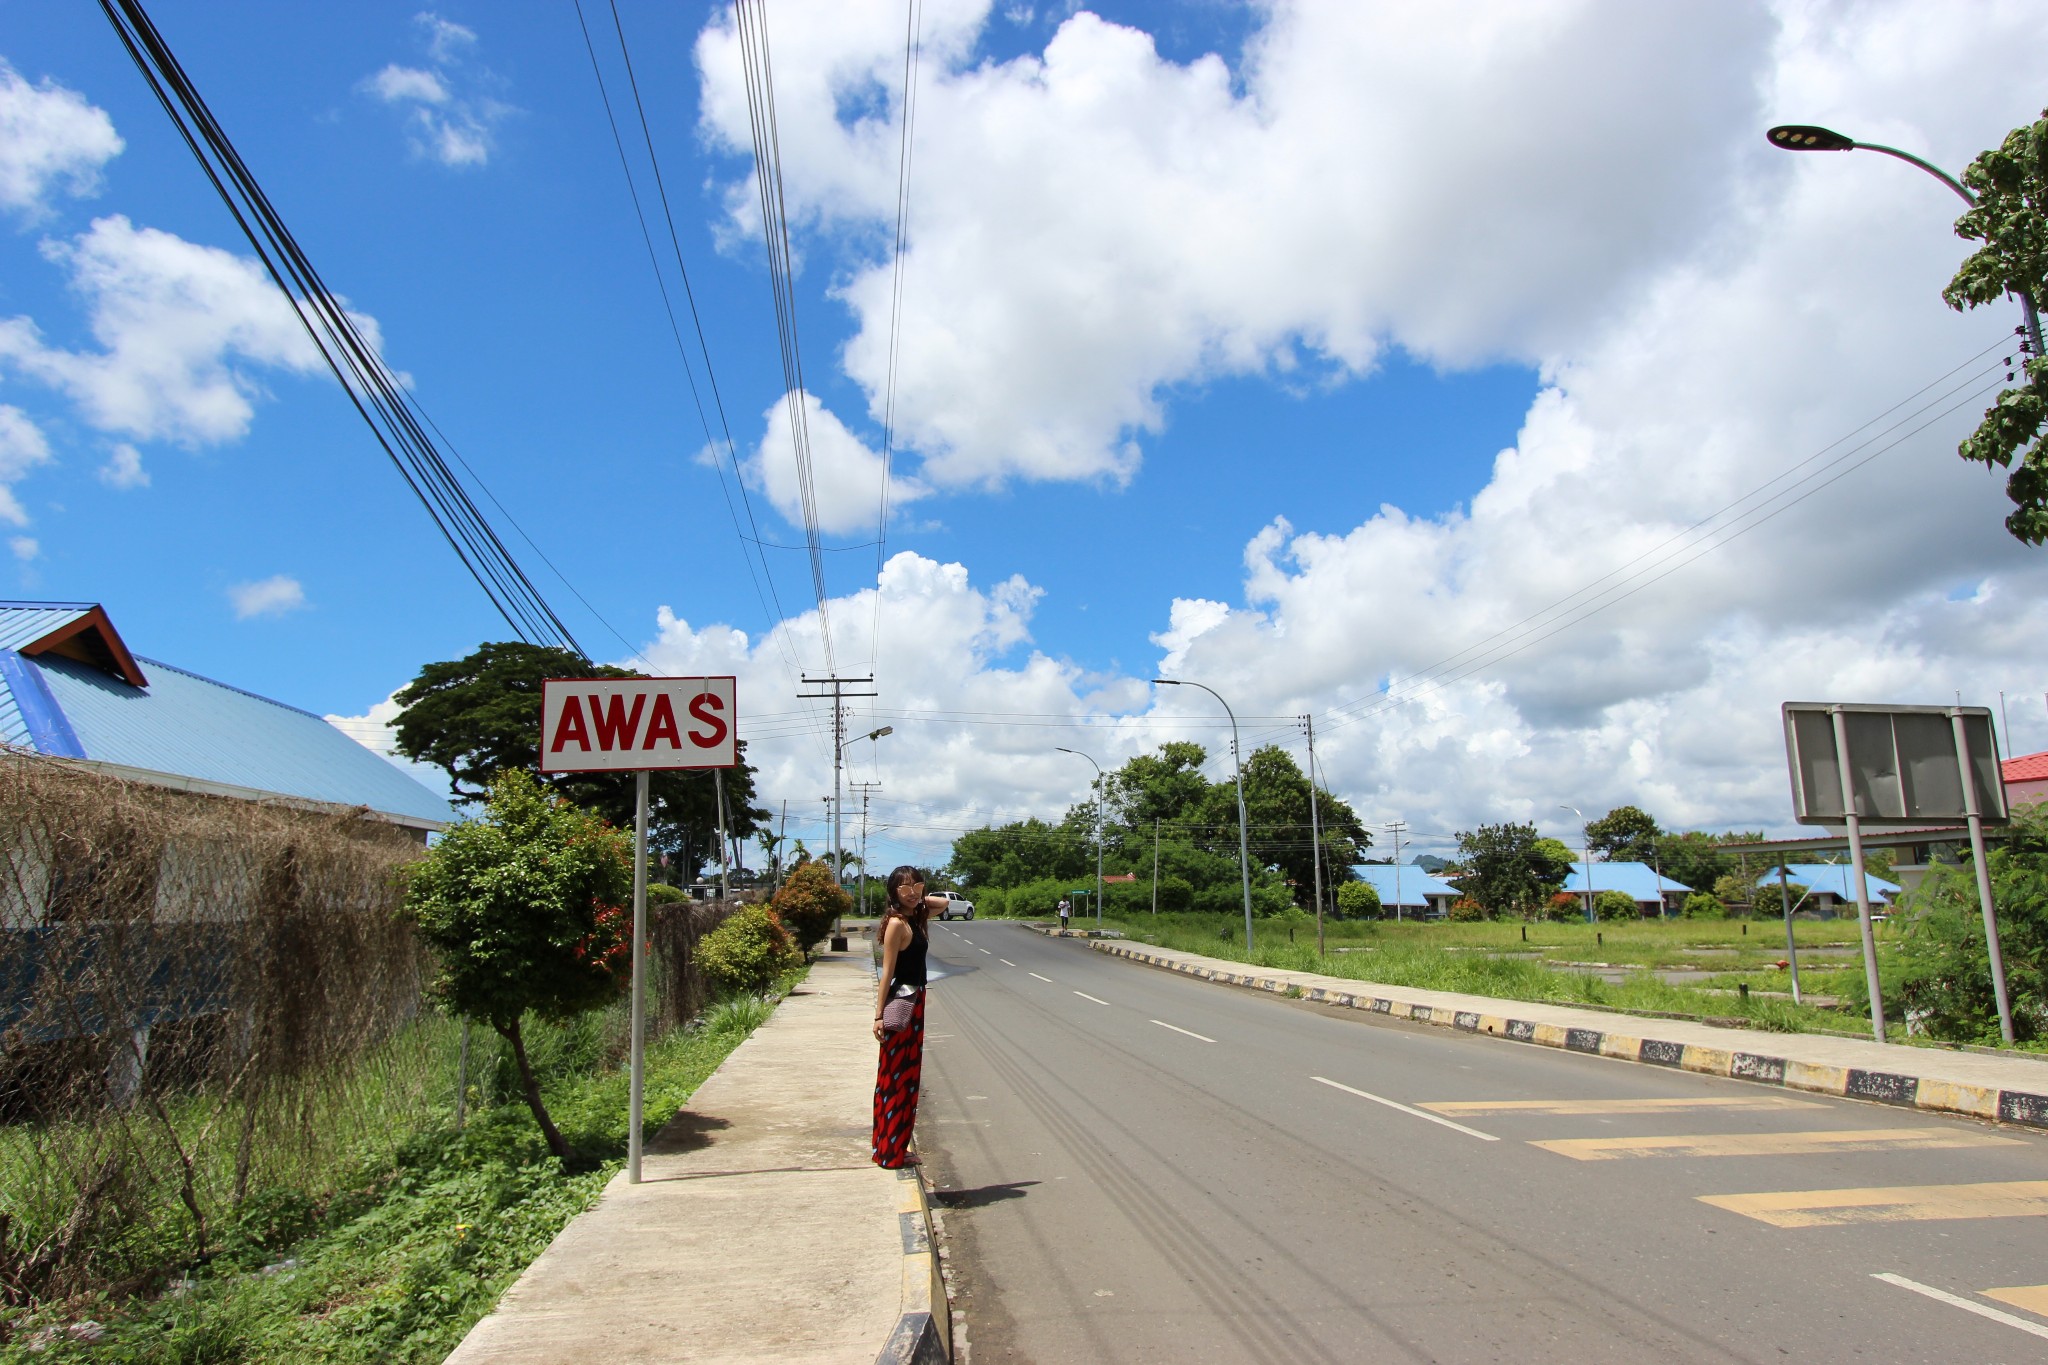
[
  {"x": 72, "y": 690},
  {"x": 1416, "y": 894},
  {"x": 1830, "y": 889},
  {"x": 1655, "y": 895}
]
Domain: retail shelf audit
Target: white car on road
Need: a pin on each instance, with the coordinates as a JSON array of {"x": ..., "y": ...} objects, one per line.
[{"x": 957, "y": 906}]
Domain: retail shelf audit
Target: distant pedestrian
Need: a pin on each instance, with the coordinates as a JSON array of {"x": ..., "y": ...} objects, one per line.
[
  {"x": 1066, "y": 913},
  {"x": 899, "y": 1015}
]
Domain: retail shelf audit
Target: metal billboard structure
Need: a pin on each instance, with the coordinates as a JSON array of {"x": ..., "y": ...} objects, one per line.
[
  {"x": 639, "y": 725},
  {"x": 1890, "y": 767}
]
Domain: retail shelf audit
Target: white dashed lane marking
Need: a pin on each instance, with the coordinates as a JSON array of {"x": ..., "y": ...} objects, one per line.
[
  {"x": 1046, "y": 979},
  {"x": 1396, "y": 1104},
  {"x": 1085, "y": 996},
  {"x": 1188, "y": 1031},
  {"x": 1006, "y": 962},
  {"x": 984, "y": 950}
]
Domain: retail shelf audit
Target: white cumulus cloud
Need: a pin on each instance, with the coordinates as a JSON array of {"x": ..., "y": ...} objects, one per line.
[
  {"x": 51, "y": 138},
  {"x": 846, "y": 473},
  {"x": 274, "y": 596},
  {"x": 123, "y": 468},
  {"x": 22, "y": 448}
]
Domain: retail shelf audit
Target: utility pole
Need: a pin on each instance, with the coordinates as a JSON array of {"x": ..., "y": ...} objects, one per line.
[
  {"x": 781, "y": 843},
  {"x": 1315, "y": 827},
  {"x": 1155, "y": 864},
  {"x": 1398, "y": 828},
  {"x": 838, "y": 694},
  {"x": 724, "y": 845},
  {"x": 865, "y": 788}
]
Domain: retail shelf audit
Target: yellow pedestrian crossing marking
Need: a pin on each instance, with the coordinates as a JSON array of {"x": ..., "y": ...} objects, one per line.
[
  {"x": 1773, "y": 1144},
  {"x": 1619, "y": 1106},
  {"x": 1888, "y": 1204},
  {"x": 2032, "y": 1297}
]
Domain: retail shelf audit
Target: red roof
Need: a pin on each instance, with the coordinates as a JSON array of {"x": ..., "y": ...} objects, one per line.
[{"x": 2025, "y": 768}]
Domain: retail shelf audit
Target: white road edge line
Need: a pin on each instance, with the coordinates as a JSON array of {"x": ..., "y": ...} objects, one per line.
[
  {"x": 1006, "y": 962},
  {"x": 1188, "y": 1031},
  {"x": 1396, "y": 1104},
  {"x": 1085, "y": 996},
  {"x": 1046, "y": 979},
  {"x": 1958, "y": 1301}
]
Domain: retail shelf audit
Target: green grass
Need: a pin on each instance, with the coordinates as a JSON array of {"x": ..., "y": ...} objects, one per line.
[
  {"x": 396, "y": 1261},
  {"x": 1471, "y": 959}
]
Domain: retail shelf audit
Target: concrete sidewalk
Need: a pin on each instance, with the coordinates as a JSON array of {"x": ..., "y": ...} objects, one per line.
[
  {"x": 761, "y": 1230},
  {"x": 2011, "y": 1089}
]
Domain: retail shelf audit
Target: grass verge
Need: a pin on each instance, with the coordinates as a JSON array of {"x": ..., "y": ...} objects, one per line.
[{"x": 399, "y": 1260}]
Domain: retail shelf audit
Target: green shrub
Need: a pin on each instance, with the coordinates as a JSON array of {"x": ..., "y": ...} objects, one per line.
[
  {"x": 1703, "y": 905},
  {"x": 809, "y": 900},
  {"x": 1615, "y": 905},
  {"x": 1563, "y": 908},
  {"x": 661, "y": 893},
  {"x": 1176, "y": 895},
  {"x": 1358, "y": 900},
  {"x": 747, "y": 953}
]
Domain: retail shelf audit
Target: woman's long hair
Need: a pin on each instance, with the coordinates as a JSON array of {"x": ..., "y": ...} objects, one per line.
[{"x": 901, "y": 875}]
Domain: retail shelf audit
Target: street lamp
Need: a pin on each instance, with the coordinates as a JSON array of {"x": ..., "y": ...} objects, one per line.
[
  {"x": 1807, "y": 137},
  {"x": 838, "y": 857},
  {"x": 1587, "y": 835},
  {"x": 1098, "y": 829},
  {"x": 1244, "y": 857}
]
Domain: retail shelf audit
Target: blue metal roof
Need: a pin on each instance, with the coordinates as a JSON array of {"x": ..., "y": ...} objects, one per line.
[
  {"x": 24, "y": 623},
  {"x": 1416, "y": 885},
  {"x": 192, "y": 727},
  {"x": 1640, "y": 880},
  {"x": 1832, "y": 878}
]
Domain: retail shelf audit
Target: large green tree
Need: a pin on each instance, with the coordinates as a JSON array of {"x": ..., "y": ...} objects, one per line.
[
  {"x": 1509, "y": 869},
  {"x": 524, "y": 912},
  {"x": 2011, "y": 220},
  {"x": 1625, "y": 834},
  {"x": 479, "y": 716},
  {"x": 1278, "y": 827}
]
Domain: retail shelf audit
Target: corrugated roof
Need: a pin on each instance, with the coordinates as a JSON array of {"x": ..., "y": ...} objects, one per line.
[
  {"x": 2025, "y": 768},
  {"x": 1416, "y": 885},
  {"x": 1640, "y": 880},
  {"x": 24, "y": 623},
  {"x": 1832, "y": 878},
  {"x": 192, "y": 727}
]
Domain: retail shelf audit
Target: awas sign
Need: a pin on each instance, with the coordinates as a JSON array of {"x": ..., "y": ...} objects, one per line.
[{"x": 628, "y": 724}]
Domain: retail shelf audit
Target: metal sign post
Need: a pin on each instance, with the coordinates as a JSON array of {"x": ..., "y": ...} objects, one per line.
[
  {"x": 639, "y": 725},
  {"x": 1899, "y": 767}
]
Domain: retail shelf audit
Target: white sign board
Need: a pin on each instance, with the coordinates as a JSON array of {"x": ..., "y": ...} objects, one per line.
[
  {"x": 622, "y": 725},
  {"x": 1907, "y": 764}
]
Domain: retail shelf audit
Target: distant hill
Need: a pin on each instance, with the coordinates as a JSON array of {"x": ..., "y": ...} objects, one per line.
[{"x": 1430, "y": 863}]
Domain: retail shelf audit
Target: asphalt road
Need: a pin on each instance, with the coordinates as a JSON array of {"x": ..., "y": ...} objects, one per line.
[{"x": 1141, "y": 1167}]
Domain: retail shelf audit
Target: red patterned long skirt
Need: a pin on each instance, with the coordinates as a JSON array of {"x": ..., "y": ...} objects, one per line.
[{"x": 896, "y": 1082}]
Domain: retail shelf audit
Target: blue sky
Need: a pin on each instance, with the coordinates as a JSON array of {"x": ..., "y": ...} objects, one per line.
[{"x": 1219, "y": 319}]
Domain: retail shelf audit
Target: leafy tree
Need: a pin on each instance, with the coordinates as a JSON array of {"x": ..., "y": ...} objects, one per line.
[
  {"x": 479, "y": 716},
  {"x": 809, "y": 900},
  {"x": 1023, "y": 851},
  {"x": 523, "y": 911},
  {"x": 1277, "y": 824},
  {"x": 1167, "y": 786},
  {"x": 1704, "y": 905},
  {"x": 1506, "y": 871},
  {"x": 1615, "y": 905},
  {"x": 1358, "y": 900},
  {"x": 1732, "y": 890},
  {"x": 1625, "y": 834},
  {"x": 1558, "y": 852},
  {"x": 2011, "y": 185},
  {"x": 1692, "y": 860}
]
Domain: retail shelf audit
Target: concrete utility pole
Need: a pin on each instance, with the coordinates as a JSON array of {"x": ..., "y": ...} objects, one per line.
[
  {"x": 1098, "y": 829},
  {"x": 865, "y": 788},
  {"x": 1315, "y": 827},
  {"x": 838, "y": 694},
  {"x": 1397, "y": 828},
  {"x": 724, "y": 845},
  {"x": 1588, "y": 845},
  {"x": 1155, "y": 864}
]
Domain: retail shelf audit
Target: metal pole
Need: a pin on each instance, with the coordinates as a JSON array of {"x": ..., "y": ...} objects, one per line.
[
  {"x": 1855, "y": 823},
  {"x": 724, "y": 848},
  {"x": 639, "y": 977},
  {"x": 462, "y": 1079},
  {"x": 781, "y": 843},
  {"x": 1315, "y": 831},
  {"x": 1098, "y": 827},
  {"x": 1586, "y": 843},
  {"x": 1244, "y": 856},
  {"x": 1155, "y": 864},
  {"x": 1791, "y": 944},
  {"x": 1399, "y": 827},
  {"x": 1977, "y": 855}
]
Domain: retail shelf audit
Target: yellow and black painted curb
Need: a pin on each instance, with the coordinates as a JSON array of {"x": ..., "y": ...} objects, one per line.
[
  {"x": 924, "y": 1330},
  {"x": 1886, "y": 1087}
]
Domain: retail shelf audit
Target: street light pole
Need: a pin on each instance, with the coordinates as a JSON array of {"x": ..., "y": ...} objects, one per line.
[
  {"x": 1098, "y": 829},
  {"x": 1806, "y": 137},
  {"x": 1244, "y": 857},
  {"x": 838, "y": 855},
  {"x": 1586, "y": 836}
]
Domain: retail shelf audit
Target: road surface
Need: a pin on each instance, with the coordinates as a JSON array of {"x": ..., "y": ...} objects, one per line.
[{"x": 1136, "y": 1166}]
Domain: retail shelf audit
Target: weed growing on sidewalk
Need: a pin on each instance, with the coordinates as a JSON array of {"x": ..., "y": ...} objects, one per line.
[{"x": 398, "y": 1261}]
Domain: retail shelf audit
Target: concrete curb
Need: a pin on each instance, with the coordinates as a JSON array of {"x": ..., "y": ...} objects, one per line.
[
  {"x": 1886, "y": 1087},
  {"x": 924, "y": 1331}
]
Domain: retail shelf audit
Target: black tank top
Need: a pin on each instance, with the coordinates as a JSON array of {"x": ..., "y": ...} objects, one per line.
[{"x": 910, "y": 961}]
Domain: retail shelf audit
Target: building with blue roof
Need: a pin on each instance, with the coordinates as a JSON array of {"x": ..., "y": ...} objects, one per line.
[
  {"x": 1829, "y": 887},
  {"x": 1413, "y": 891},
  {"x": 70, "y": 689},
  {"x": 1653, "y": 894}
]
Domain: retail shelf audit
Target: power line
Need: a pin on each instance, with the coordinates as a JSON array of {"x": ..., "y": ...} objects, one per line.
[
  {"x": 913, "y": 26},
  {"x": 393, "y": 417}
]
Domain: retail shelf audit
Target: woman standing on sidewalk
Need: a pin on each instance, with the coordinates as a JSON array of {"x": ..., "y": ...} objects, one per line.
[{"x": 901, "y": 981}]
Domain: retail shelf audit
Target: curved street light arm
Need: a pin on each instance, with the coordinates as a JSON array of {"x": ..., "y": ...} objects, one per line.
[
  {"x": 1098, "y": 828},
  {"x": 1244, "y": 859}
]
